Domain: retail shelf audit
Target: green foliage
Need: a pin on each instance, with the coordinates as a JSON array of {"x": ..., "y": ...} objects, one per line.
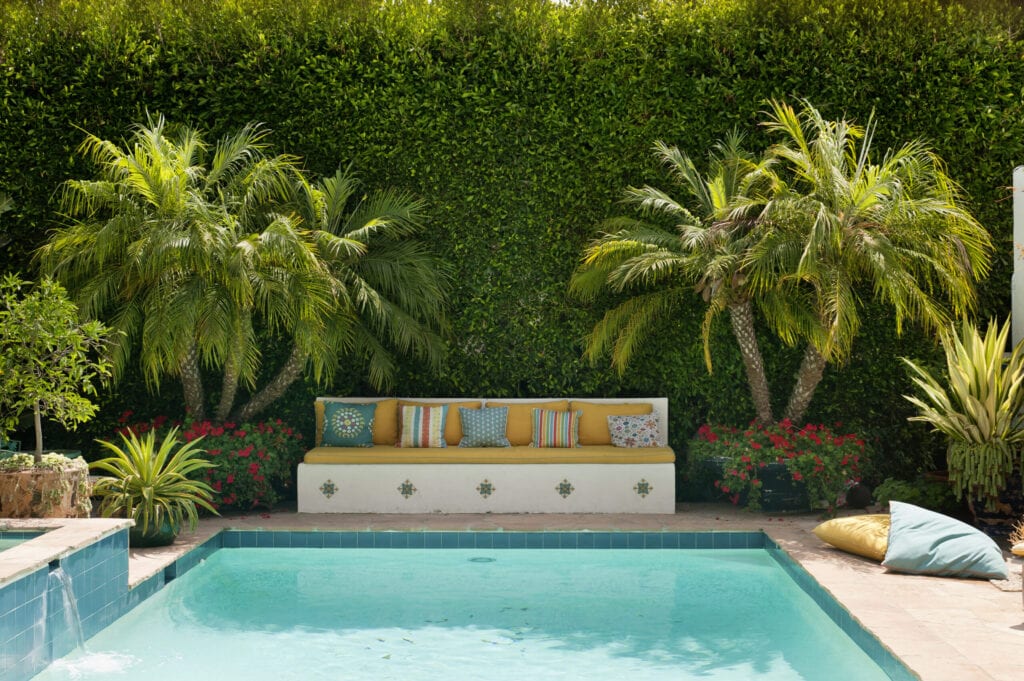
[
  {"x": 520, "y": 122},
  {"x": 936, "y": 495},
  {"x": 153, "y": 484},
  {"x": 49, "y": 361},
  {"x": 978, "y": 407}
]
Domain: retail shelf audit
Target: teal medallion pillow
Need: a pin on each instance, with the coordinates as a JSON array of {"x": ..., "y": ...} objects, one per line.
[
  {"x": 484, "y": 427},
  {"x": 348, "y": 425},
  {"x": 924, "y": 542}
]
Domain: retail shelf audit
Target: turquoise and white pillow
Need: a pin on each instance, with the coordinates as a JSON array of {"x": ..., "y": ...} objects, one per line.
[
  {"x": 484, "y": 427},
  {"x": 348, "y": 425}
]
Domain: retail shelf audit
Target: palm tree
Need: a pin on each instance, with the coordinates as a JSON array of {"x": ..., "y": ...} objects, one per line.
[
  {"x": 843, "y": 224},
  {"x": 191, "y": 252},
  {"x": 707, "y": 252}
]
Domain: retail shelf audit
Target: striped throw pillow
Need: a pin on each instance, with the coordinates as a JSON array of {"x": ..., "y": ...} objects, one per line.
[
  {"x": 423, "y": 426},
  {"x": 556, "y": 428}
]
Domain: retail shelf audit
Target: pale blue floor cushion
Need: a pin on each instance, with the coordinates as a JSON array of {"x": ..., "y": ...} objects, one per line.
[{"x": 927, "y": 543}]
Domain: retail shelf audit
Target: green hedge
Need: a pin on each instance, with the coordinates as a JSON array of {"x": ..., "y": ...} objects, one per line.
[{"x": 521, "y": 123}]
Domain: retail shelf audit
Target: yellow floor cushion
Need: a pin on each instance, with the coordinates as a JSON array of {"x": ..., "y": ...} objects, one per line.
[
  {"x": 495, "y": 455},
  {"x": 594, "y": 421},
  {"x": 863, "y": 535},
  {"x": 519, "y": 428}
]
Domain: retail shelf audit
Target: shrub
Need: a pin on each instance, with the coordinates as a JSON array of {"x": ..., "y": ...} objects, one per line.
[
  {"x": 936, "y": 495},
  {"x": 826, "y": 463},
  {"x": 254, "y": 463}
]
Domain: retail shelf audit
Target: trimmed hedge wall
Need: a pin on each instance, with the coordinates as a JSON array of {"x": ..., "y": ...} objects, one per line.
[{"x": 521, "y": 122}]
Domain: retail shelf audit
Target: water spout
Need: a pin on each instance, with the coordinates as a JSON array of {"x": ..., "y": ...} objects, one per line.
[{"x": 60, "y": 581}]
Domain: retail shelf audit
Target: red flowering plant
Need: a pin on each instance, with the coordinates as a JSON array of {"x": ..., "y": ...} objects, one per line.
[
  {"x": 825, "y": 463},
  {"x": 254, "y": 463}
]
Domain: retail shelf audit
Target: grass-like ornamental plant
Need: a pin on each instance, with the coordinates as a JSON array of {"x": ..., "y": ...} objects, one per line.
[
  {"x": 152, "y": 484},
  {"x": 979, "y": 410}
]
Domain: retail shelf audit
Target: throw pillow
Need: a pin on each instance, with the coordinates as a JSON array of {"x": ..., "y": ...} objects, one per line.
[
  {"x": 484, "y": 427},
  {"x": 423, "y": 426},
  {"x": 924, "y": 542},
  {"x": 863, "y": 535},
  {"x": 520, "y": 418},
  {"x": 634, "y": 431},
  {"x": 348, "y": 425},
  {"x": 555, "y": 428}
]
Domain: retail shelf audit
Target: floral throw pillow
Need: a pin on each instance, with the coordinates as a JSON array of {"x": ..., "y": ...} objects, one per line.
[
  {"x": 484, "y": 427},
  {"x": 348, "y": 425},
  {"x": 634, "y": 431}
]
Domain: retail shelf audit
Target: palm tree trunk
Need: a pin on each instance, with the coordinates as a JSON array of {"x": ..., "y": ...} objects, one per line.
[
  {"x": 291, "y": 370},
  {"x": 192, "y": 384},
  {"x": 807, "y": 379},
  {"x": 229, "y": 388},
  {"x": 742, "y": 317}
]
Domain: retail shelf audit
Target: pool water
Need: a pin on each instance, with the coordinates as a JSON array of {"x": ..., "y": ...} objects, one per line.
[
  {"x": 422, "y": 614},
  {"x": 8, "y": 540}
]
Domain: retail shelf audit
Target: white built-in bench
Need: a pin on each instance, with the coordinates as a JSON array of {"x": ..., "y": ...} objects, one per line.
[{"x": 591, "y": 478}]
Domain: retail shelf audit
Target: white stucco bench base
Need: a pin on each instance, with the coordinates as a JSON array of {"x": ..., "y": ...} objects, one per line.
[{"x": 486, "y": 488}]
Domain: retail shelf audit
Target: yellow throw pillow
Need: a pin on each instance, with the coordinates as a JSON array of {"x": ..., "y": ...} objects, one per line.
[
  {"x": 520, "y": 418},
  {"x": 863, "y": 535},
  {"x": 453, "y": 426},
  {"x": 594, "y": 422}
]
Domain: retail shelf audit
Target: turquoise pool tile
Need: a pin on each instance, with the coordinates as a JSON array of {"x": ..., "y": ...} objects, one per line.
[
  {"x": 602, "y": 540},
  {"x": 399, "y": 540},
  {"x": 704, "y": 540},
  {"x": 534, "y": 540},
  {"x": 331, "y": 540},
  {"x": 298, "y": 540},
  {"x": 349, "y": 540},
  {"x": 231, "y": 540},
  {"x": 551, "y": 540},
  {"x": 569, "y": 540},
  {"x": 383, "y": 540},
  {"x": 670, "y": 540},
  {"x": 517, "y": 540},
  {"x": 634, "y": 540},
  {"x": 618, "y": 540},
  {"x": 365, "y": 540},
  {"x": 499, "y": 540},
  {"x": 484, "y": 540},
  {"x": 585, "y": 540},
  {"x": 653, "y": 540},
  {"x": 467, "y": 540},
  {"x": 432, "y": 540},
  {"x": 247, "y": 540},
  {"x": 417, "y": 540},
  {"x": 450, "y": 540},
  {"x": 264, "y": 539}
]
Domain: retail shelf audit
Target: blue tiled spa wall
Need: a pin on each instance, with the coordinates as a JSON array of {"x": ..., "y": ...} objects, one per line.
[{"x": 99, "y": 576}]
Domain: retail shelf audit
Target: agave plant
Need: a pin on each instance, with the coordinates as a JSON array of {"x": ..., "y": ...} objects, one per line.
[
  {"x": 979, "y": 411},
  {"x": 152, "y": 484}
]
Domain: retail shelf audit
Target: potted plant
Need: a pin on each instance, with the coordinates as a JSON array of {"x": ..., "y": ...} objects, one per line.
[
  {"x": 780, "y": 467},
  {"x": 978, "y": 409},
  {"x": 152, "y": 485},
  {"x": 49, "y": 363}
]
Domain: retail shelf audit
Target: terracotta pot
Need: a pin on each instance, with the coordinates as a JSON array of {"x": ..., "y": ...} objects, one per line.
[{"x": 46, "y": 492}]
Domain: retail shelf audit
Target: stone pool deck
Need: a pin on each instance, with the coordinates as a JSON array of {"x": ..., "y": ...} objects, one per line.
[{"x": 943, "y": 629}]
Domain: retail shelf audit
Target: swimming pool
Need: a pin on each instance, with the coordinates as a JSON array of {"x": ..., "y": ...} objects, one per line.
[
  {"x": 463, "y": 613},
  {"x": 11, "y": 538}
]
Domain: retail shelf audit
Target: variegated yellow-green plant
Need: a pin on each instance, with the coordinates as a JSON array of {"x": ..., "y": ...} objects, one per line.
[
  {"x": 979, "y": 410},
  {"x": 152, "y": 484}
]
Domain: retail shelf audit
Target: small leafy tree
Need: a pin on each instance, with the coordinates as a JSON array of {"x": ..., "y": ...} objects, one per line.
[{"x": 49, "y": 360}]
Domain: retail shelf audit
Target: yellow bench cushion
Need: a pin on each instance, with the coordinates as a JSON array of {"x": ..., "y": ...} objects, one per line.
[
  {"x": 520, "y": 454},
  {"x": 385, "y": 422},
  {"x": 594, "y": 422},
  {"x": 519, "y": 428}
]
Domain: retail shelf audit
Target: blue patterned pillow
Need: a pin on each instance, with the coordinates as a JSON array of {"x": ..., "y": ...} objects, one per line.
[
  {"x": 348, "y": 425},
  {"x": 634, "y": 431},
  {"x": 484, "y": 427}
]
